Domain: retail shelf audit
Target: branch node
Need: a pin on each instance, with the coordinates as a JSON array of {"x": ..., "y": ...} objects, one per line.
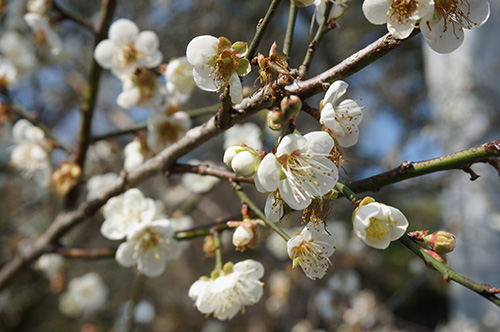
[{"x": 473, "y": 175}]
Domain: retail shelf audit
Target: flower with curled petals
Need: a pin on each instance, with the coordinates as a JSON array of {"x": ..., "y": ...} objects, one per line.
[
  {"x": 378, "y": 224},
  {"x": 311, "y": 250},
  {"x": 218, "y": 64},
  {"x": 300, "y": 169},
  {"x": 342, "y": 119},
  {"x": 128, "y": 49},
  {"x": 226, "y": 295}
]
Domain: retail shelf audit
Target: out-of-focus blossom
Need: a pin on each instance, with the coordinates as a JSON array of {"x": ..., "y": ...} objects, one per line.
[
  {"x": 8, "y": 73},
  {"x": 18, "y": 50},
  {"x": 199, "y": 183},
  {"x": 30, "y": 153},
  {"x": 279, "y": 284},
  {"x": 85, "y": 295},
  {"x": 342, "y": 119},
  {"x": 311, "y": 250},
  {"x": 228, "y": 294},
  {"x": 165, "y": 129},
  {"x": 98, "y": 184},
  {"x": 218, "y": 64},
  {"x": 142, "y": 89},
  {"x": 378, "y": 224},
  {"x": 39, "y": 6},
  {"x": 149, "y": 245},
  {"x": 180, "y": 82},
  {"x": 65, "y": 178},
  {"x": 43, "y": 32},
  {"x": 123, "y": 213},
  {"x": 136, "y": 152},
  {"x": 300, "y": 169},
  {"x": 49, "y": 264},
  {"x": 247, "y": 134},
  {"x": 128, "y": 49}
]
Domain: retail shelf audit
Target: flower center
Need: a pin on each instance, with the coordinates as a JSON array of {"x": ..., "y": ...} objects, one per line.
[
  {"x": 225, "y": 64},
  {"x": 380, "y": 228},
  {"x": 402, "y": 10}
]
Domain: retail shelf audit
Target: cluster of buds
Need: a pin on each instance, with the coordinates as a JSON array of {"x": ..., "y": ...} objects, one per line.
[{"x": 243, "y": 160}]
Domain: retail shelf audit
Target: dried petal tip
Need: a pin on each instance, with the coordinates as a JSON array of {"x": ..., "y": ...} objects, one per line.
[{"x": 441, "y": 242}]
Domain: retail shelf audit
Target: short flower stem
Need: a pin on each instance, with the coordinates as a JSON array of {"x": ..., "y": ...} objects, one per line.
[
  {"x": 292, "y": 17},
  {"x": 484, "y": 290},
  {"x": 135, "y": 296},
  {"x": 348, "y": 193},
  {"x": 218, "y": 249},
  {"x": 245, "y": 199},
  {"x": 261, "y": 28},
  {"x": 311, "y": 50}
]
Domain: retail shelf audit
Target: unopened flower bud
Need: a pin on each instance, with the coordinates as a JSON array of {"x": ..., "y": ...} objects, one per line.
[
  {"x": 65, "y": 177},
  {"x": 242, "y": 160},
  {"x": 242, "y": 236},
  {"x": 441, "y": 242},
  {"x": 274, "y": 119},
  {"x": 291, "y": 106},
  {"x": 439, "y": 257}
]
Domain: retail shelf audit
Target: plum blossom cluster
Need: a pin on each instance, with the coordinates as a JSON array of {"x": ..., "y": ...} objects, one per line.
[
  {"x": 230, "y": 290},
  {"x": 149, "y": 235},
  {"x": 38, "y": 20},
  {"x": 442, "y": 22}
]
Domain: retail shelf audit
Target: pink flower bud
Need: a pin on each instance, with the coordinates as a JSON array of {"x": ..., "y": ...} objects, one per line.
[{"x": 441, "y": 242}]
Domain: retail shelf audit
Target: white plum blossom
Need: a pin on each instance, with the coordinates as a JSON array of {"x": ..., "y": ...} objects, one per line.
[
  {"x": 443, "y": 26},
  {"x": 30, "y": 153},
  {"x": 337, "y": 10},
  {"x": 180, "y": 82},
  {"x": 247, "y": 134},
  {"x": 228, "y": 294},
  {"x": 149, "y": 245},
  {"x": 136, "y": 152},
  {"x": 85, "y": 295},
  {"x": 342, "y": 119},
  {"x": 142, "y": 89},
  {"x": 16, "y": 48},
  {"x": 123, "y": 213},
  {"x": 242, "y": 160},
  {"x": 98, "y": 184},
  {"x": 39, "y": 6},
  {"x": 311, "y": 250},
  {"x": 401, "y": 16},
  {"x": 378, "y": 224},
  {"x": 128, "y": 49},
  {"x": 199, "y": 183},
  {"x": 43, "y": 32},
  {"x": 300, "y": 169},
  {"x": 49, "y": 264},
  {"x": 218, "y": 64},
  {"x": 165, "y": 128}
]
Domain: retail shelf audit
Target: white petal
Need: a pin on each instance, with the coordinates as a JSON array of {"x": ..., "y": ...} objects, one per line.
[
  {"x": 123, "y": 32},
  {"x": 273, "y": 208},
  {"x": 197, "y": 288},
  {"x": 147, "y": 42},
  {"x": 150, "y": 265},
  {"x": 201, "y": 75},
  {"x": 251, "y": 268},
  {"x": 439, "y": 40},
  {"x": 400, "y": 30},
  {"x": 376, "y": 10},
  {"x": 235, "y": 90},
  {"x": 104, "y": 53},
  {"x": 479, "y": 11},
  {"x": 201, "y": 49},
  {"x": 329, "y": 119},
  {"x": 269, "y": 172},
  {"x": 319, "y": 142},
  {"x": 336, "y": 90},
  {"x": 349, "y": 139},
  {"x": 291, "y": 196},
  {"x": 400, "y": 223},
  {"x": 291, "y": 143},
  {"x": 125, "y": 254},
  {"x": 129, "y": 98}
]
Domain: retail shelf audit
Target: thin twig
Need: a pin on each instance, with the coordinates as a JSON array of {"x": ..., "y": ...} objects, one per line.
[
  {"x": 292, "y": 17},
  {"x": 75, "y": 17},
  {"x": 261, "y": 28},
  {"x": 484, "y": 290}
]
